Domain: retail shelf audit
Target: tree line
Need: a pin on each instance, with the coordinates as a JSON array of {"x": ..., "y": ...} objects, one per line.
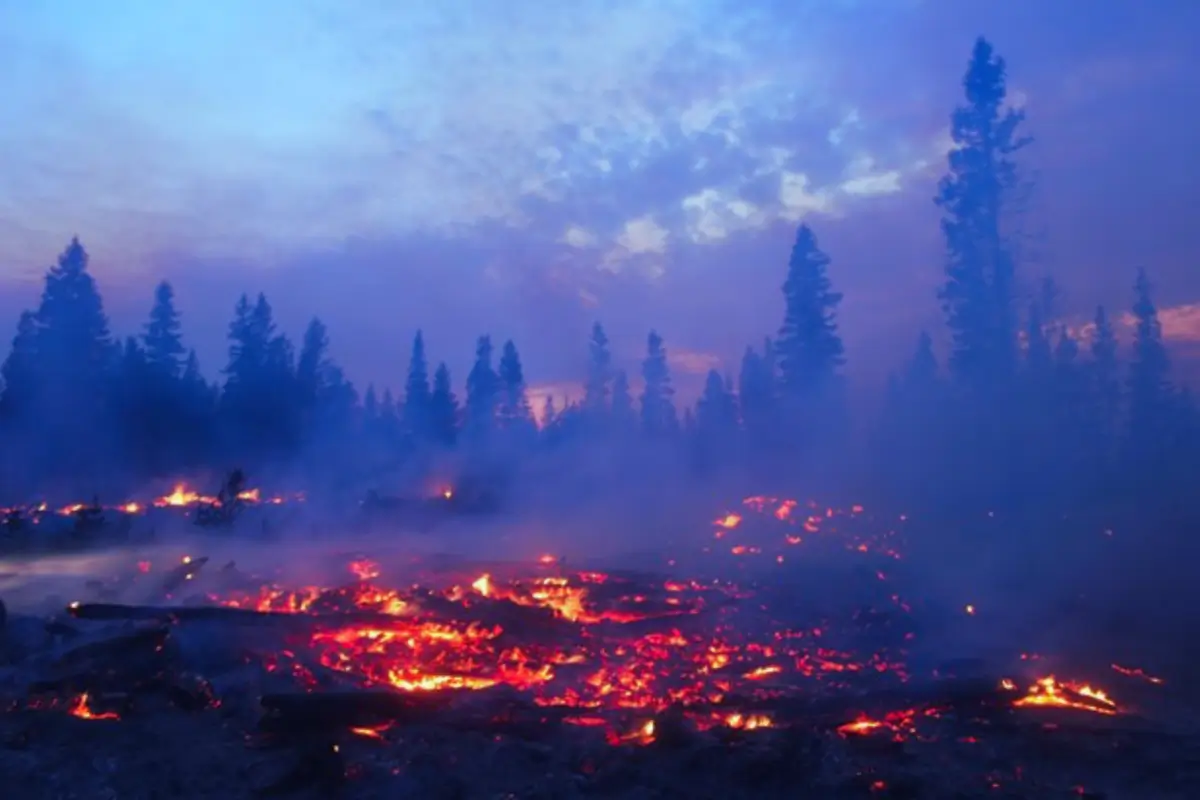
[{"x": 1026, "y": 408}]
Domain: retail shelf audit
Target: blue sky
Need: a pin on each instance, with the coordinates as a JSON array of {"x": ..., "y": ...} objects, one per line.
[{"x": 523, "y": 168}]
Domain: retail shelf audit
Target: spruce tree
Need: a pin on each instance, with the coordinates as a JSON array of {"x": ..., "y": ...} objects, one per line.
[
  {"x": 659, "y": 418},
  {"x": 599, "y": 375},
  {"x": 313, "y": 364},
  {"x": 162, "y": 339},
  {"x": 417, "y": 391},
  {"x": 20, "y": 371},
  {"x": 73, "y": 341},
  {"x": 513, "y": 410},
  {"x": 977, "y": 198},
  {"x": 1150, "y": 394},
  {"x": 482, "y": 390},
  {"x": 809, "y": 347},
  {"x": 443, "y": 408}
]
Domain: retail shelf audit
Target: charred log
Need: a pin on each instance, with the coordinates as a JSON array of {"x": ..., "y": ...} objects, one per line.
[{"x": 325, "y": 710}]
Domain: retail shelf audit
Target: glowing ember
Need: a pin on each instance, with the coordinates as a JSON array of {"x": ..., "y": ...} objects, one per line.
[
  {"x": 1049, "y": 691},
  {"x": 79, "y": 708},
  {"x": 613, "y": 651},
  {"x": 1136, "y": 672}
]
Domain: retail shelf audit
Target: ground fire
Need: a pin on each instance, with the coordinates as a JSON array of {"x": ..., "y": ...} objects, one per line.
[{"x": 704, "y": 647}]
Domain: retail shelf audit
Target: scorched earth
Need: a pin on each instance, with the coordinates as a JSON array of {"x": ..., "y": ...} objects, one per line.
[{"x": 803, "y": 676}]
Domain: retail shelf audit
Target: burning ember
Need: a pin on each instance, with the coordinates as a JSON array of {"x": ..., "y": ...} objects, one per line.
[
  {"x": 1049, "y": 691},
  {"x": 81, "y": 709},
  {"x": 636, "y": 659}
]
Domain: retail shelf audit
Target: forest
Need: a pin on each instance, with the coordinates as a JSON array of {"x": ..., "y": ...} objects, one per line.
[{"x": 1024, "y": 409}]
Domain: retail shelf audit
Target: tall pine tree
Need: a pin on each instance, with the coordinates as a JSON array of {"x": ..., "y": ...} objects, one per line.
[
  {"x": 443, "y": 408},
  {"x": 513, "y": 409},
  {"x": 1150, "y": 394},
  {"x": 599, "y": 375},
  {"x": 659, "y": 418},
  {"x": 977, "y": 200},
  {"x": 417, "y": 391},
  {"x": 482, "y": 391},
  {"x": 162, "y": 339},
  {"x": 809, "y": 348}
]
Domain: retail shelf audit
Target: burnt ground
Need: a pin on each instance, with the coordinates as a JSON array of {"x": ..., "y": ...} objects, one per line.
[
  {"x": 207, "y": 755},
  {"x": 193, "y": 726}
]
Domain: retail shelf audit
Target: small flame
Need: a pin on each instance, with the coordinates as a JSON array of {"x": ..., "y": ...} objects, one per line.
[
  {"x": 1049, "y": 691},
  {"x": 81, "y": 710}
]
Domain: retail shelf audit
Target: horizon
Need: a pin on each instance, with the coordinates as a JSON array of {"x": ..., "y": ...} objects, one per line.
[{"x": 688, "y": 148}]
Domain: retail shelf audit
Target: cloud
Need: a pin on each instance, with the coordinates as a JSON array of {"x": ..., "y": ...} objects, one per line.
[
  {"x": 691, "y": 362},
  {"x": 209, "y": 129},
  {"x": 526, "y": 168},
  {"x": 578, "y": 237},
  {"x": 1179, "y": 323}
]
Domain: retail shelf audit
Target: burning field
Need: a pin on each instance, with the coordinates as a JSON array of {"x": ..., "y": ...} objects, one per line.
[{"x": 781, "y": 655}]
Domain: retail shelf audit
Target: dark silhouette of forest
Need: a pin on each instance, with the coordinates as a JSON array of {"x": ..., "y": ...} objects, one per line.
[{"x": 1024, "y": 411}]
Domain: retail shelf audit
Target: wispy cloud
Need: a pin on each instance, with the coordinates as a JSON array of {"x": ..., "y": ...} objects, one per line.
[
  {"x": 221, "y": 126},
  {"x": 526, "y": 167}
]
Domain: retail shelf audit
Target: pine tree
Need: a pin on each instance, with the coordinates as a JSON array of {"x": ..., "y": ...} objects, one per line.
[
  {"x": 1150, "y": 393},
  {"x": 658, "y": 408},
  {"x": 20, "y": 371},
  {"x": 161, "y": 338},
  {"x": 809, "y": 347},
  {"x": 513, "y": 407},
  {"x": 325, "y": 400},
  {"x": 443, "y": 408},
  {"x": 258, "y": 401},
  {"x": 247, "y": 349},
  {"x": 73, "y": 340},
  {"x": 416, "y": 391},
  {"x": 192, "y": 376},
  {"x": 482, "y": 390},
  {"x": 599, "y": 375},
  {"x": 75, "y": 366},
  {"x": 976, "y": 198},
  {"x": 313, "y": 364}
]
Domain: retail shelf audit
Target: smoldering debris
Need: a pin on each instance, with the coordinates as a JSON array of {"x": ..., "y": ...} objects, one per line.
[{"x": 775, "y": 657}]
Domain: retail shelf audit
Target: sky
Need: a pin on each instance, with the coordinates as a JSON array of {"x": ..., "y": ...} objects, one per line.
[{"x": 524, "y": 168}]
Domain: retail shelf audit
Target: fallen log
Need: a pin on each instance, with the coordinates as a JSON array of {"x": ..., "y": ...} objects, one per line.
[
  {"x": 115, "y": 645},
  {"x": 348, "y": 708},
  {"x": 123, "y": 660},
  {"x": 972, "y": 693},
  {"x": 227, "y": 614}
]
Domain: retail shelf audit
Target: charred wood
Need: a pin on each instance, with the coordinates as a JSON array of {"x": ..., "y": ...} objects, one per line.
[
  {"x": 325, "y": 710},
  {"x": 226, "y": 614}
]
